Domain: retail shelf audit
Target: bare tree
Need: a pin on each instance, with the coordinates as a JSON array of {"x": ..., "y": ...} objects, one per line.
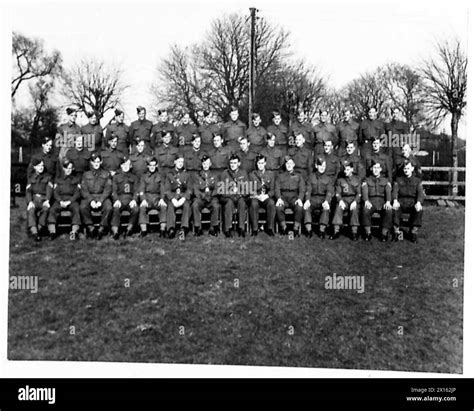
[
  {"x": 39, "y": 92},
  {"x": 93, "y": 85},
  {"x": 367, "y": 91},
  {"x": 30, "y": 61},
  {"x": 445, "y": 78},
  {"x": 404, "y": 88},
  {"x": 335, "y": 101},
  {"x": 214, "y": 73}
]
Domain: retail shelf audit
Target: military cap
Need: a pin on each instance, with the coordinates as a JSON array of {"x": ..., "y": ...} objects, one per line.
[
  {"x": 35, "y": 161},
  {"x": 118, "y": 112},
  {"x": 96, "y": 155}
]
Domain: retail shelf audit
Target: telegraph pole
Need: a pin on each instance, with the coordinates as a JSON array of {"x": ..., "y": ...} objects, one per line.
[{"x": 253, "y": 53}]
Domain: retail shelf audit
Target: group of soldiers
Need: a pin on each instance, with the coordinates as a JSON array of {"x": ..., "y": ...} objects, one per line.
[{"x": 319, "y": 172}]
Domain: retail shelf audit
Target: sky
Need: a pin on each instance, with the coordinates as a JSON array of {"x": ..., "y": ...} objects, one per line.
[{"x": 343, "y": 39}]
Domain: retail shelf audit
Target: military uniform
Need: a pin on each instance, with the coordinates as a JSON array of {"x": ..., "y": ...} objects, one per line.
[
  {"x": 319, "y": 188},
  {"x": 220, "y": 158},
  {"x": 66, "y": 188},
  {"x": 333, "y": 166},
  {"x": 263, "y": 183},
  {"x": 96, "y": 185},
  {"x": 274, "y": 157},
  {"x": 139, "y": 163},
  {"x": 207, "y": 131},
  {"x": 185, "y": 133},
  {"x": 303, "y": 159},
  {"x": 324, "y": 132},
  {"x": 396, "y": 128},
  {"x": 152, "y": 188},
  {"x": 121, "y": 131},
  {"x": 384, "y": 160},
  {"x": 179, "y": 185},
  {"x": 111, "y": 160},
  {"x": 141, "y": 130},
  {"x": 204, "y": 188},
  {"x": 247, "y": 160},
  {"x": 347, "y": 131},
  {"x": 357, "y": 161},
  {"x": 166, "y": 156},
  {"x": 49, "y": 160},
  {"x": 232, "y": 130},
  {"x": 65, "y": 137},
  {"x": 80, "y": 159},
  {"x": 367, "y": 130},
  {"x": 289, "y": 187},
  {"x": 38, "y": 190},
  {"x": 156, "y": 134},
  {"x": 281, "y": 136},
  {"x": 399, "y": 164},
  {"x": 306, "y": 129},
  {"x": 257, "y": 137},
  {"x": 93, "y": 137},
  {"x": 233, "y": 188},
  {"x": 192, "y": 159},
  {"x": 348, "y": 189},
  {"x": 378, "y": 191},
  {"x": 408, "y": 191},
  {"x": 124, "y": 189}
]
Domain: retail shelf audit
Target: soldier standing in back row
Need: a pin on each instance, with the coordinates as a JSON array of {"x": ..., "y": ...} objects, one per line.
[
  {"x": 93, "y": 133},
  {"x": 121, "y": 131},
  {"x": 207, "y": 131},
  {"x": 324, "y": 131},
  {"x": 370, "y": 128},
  {"x": 280, "y": 131},
  {"x": 347, "y": 131},
  {"x": 66, "y": 134},
  {"x": 233, "y": 129},
  {"x": 185, "y": 131},
  {"x": 303, "y": 127},
  {"x": 256, "y": 134},
  {"x": 140, "y": 129},
  {"x": 160, "y": 129}
]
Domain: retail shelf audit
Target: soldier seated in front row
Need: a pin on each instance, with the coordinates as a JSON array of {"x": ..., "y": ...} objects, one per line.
[
  {"x": 124, "y": 198},
  {"x": 205, "y": 186},
  {"x": 289, "y": 192},
  {"x": 376, "y": 197},
  {"x": 66, "y": 194},
  {"x": 319, "y": 194},
  {"x": 39, "y": 191},
  {"x": 178, "y": 193},
  {"x": 348, "y": 193},
  {"x": 151, "y": 193},
  {"x": 233, "y": 188},
  {"x": 408, "y": 196},
  {"x": 96, "y": 187},
  {"x": 263, "y": 182}
]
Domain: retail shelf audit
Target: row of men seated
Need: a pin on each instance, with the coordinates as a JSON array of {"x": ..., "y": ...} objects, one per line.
[
  {"x": 219, "y": 154},
  {"x": 233, "y": 189},
  {"x": 181, "y": 135}
]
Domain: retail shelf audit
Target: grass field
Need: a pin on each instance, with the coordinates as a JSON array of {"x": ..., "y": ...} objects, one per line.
[{"x": 252, "y": 301}]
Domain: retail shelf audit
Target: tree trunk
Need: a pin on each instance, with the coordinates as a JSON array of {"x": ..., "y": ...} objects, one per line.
[{"x": 454, "y": 153}]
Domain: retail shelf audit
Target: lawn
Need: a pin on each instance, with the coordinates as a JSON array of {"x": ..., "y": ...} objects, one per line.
[{"x": 252, "y": 301}]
